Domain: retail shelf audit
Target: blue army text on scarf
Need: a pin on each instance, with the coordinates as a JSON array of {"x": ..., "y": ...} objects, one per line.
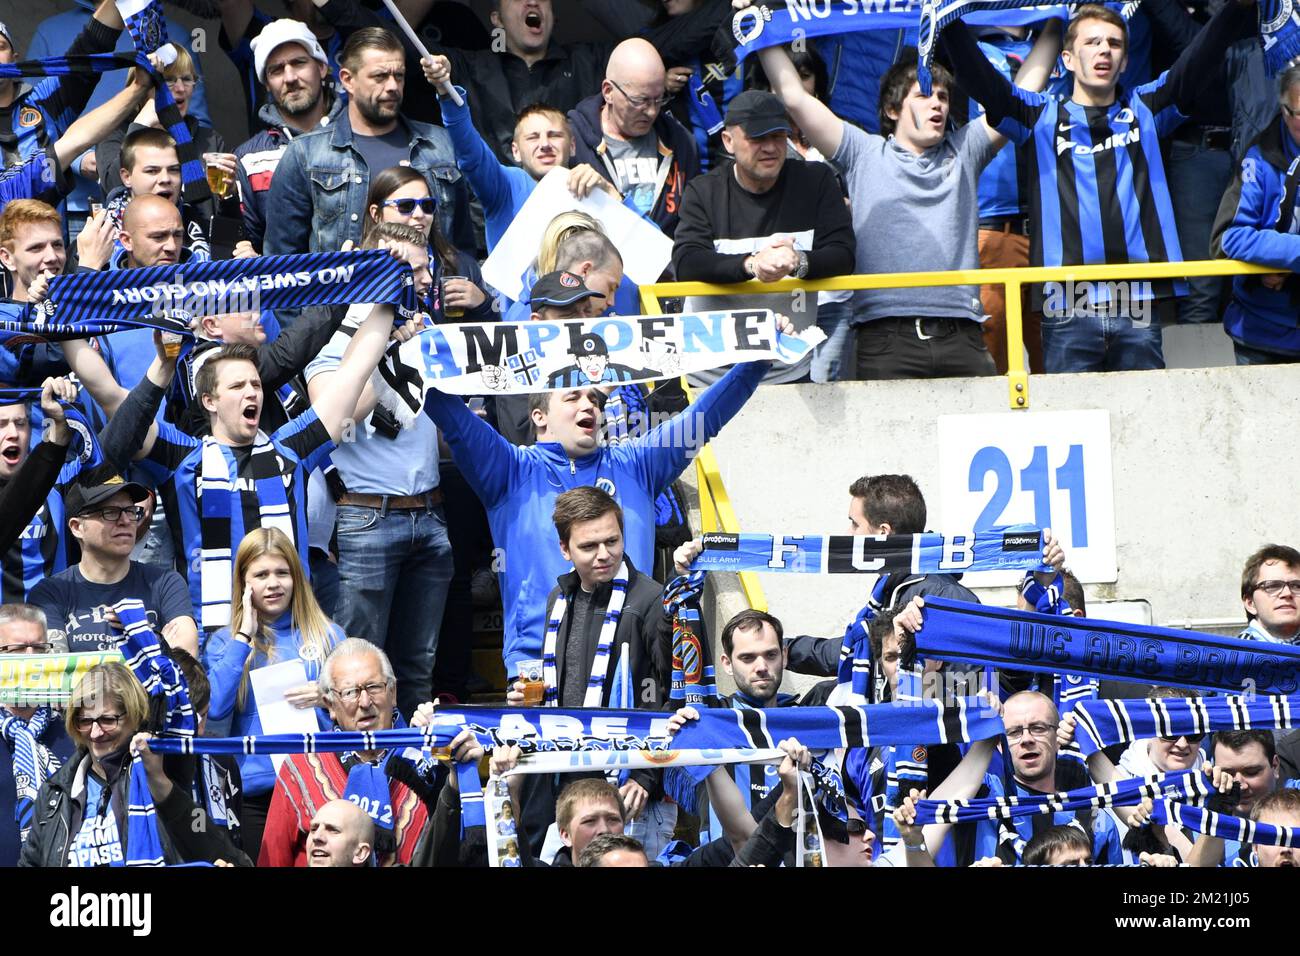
[
  {"x": 168, "y": 297},
  {"x": 1011, "y": 548},
  {"x": 1028, "y": 641},
  {"x": 194, "y": 183},
  {"x": 1104, "y": 723}
]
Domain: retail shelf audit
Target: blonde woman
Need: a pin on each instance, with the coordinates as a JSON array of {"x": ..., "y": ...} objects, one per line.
[{"x": 276, "y": 620}]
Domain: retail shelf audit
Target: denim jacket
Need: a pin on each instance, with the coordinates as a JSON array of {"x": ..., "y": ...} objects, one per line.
[{"x": 318, "y": 196}]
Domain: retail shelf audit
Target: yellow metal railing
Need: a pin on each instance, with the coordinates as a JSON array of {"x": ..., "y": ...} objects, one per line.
[{"x": 715, "y": 506}]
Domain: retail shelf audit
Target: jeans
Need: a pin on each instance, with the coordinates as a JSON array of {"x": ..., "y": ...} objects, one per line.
[
  {"x": 1249, "y": 356},
  {"x": 324, "y": 581},
  {"x": 828, "y": 363},
  {"x": 394, "y": 570},
  {"x": 1197, "y": 179},
  {"x": 1080, "y": 342}
]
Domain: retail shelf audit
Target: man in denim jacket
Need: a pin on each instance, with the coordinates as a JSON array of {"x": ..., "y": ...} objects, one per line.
[{"x": 318, "y": 197}]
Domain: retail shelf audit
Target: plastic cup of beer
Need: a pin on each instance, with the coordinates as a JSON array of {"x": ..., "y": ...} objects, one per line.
[
  {"x": 172, "y": 342},
  {"x": 219, "y": 179},
  {"x": 449, "y": 311},
  {"x": 530, "y": 675}
]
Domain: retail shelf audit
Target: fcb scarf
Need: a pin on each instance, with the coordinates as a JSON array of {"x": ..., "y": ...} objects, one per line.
[
  {"x": 33, "y": 680},
  {"x": 518, "y": 358},
  {"x": 693, "y": 679},
  {"x": 86, "y": 447},
  {"x": 1223, "y": 825},
  {"x": 219, "y": 496},
  {"x": 600, "y": 663},
  {"x": 1279, "y": 33},
  {"x": 168, "y": 297},
  {"x": 33, "y": 762},
  {"x": 194, "y": 182},
  {"x": 1103, "y": 723},
  {"x": 1027, "y": 641},
  {"x": 993, "y": 549}
]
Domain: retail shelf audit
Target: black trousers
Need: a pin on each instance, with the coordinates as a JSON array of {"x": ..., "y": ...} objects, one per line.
[{"x": 902, "y": 347}]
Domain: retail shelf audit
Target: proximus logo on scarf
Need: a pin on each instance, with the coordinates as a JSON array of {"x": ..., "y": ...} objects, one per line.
[{"x": 221, "y": 296}]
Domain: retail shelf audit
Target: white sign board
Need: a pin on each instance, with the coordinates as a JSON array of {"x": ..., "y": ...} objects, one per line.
[{"x": 1050, "y": 469}]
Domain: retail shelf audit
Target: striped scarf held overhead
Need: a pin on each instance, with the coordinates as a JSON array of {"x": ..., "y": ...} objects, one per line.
[
  {"x": 1223, "y": 825},
  {"x": 595, "y": 693},
  {"x": 33, "y": 762},
  {"x": 220, "y": 493},
  {"x": 1104, "y": 723},
  {"x": 193, "y": 178}
]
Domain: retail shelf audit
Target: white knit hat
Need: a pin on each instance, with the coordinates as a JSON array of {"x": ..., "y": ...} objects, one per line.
[{"x": 276, "y": 34}]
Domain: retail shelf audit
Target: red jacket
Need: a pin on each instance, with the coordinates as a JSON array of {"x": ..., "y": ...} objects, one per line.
[{"x": 306, "y": 783}]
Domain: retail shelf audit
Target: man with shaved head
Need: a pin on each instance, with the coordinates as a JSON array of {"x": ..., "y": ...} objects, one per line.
[
  {"x": 341, "y": 835},
  {"x": 152, "y": 232},
  {"x": 624, "y": 133}
]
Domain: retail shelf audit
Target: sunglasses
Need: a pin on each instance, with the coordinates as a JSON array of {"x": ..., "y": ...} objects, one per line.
[{"x": 406, "y": 207}]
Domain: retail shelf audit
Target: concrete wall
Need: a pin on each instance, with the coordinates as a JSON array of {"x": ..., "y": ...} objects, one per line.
[{"x": 1204, "y": 473}]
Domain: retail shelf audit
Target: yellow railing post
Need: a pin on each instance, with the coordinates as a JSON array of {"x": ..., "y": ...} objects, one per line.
[{"x": 1017, "y": 377}]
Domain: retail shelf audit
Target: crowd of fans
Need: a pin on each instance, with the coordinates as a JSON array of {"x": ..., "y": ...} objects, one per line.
[{"x": 360, "y": 547}]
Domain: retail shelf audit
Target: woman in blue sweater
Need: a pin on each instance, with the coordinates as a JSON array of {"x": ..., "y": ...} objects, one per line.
[{"x": 277, "y": 620}]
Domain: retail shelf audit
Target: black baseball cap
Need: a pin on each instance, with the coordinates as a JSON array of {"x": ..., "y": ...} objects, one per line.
[
  {"x": 590, "y": 344},
  {"x": 560, "y": 289},
  {"x": 81, "y": 498},
  {"x": 758, "y": 113}
]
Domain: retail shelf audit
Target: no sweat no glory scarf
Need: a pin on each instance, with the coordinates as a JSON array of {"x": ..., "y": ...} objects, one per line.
[{"x": 86, "y": 304}]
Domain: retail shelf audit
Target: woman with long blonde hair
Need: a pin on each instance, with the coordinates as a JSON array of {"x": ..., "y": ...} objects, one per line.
[{"x": 277, "y": 619}]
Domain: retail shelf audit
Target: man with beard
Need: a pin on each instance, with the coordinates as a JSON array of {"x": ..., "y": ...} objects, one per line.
[
  {"x": 1248, "y": 759},
  {"x": 291, "y": 64},
  {"x": 318, "y": 196}
]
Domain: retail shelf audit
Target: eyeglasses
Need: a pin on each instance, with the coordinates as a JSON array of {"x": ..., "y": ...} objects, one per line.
[
  {"x": 1039, "y": 730},
  {"x": 351, "y": 695},
  {"x": 183, "y": 81},
  {"x": 43, "y": 647},
  {"x": 641, "y": 102},
  {"x": 107, "y": 722},
  {"x": 407, "y": 206},
  {"x": 1275, "y": 587},
  {"x": 855, "y": 826},
  {"x": 114, "y": 515}
]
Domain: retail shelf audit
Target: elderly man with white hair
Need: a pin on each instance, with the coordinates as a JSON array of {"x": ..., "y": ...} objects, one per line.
[{"x": 359, "y": 688}]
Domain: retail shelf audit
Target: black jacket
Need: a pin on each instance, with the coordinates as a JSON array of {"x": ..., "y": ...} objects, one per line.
[
  {"x": 638, "y": 633},
  {"x": 806, "y": 197},
  {"x": 820, "y": 656},
  {"x": 60, "y": 811},
  {"x": 679, "y": 158}
]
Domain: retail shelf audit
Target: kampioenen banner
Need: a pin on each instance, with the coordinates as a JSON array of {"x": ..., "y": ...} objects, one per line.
[
  {"x": 1016, "y": 548},
  {"x": 34, "y": 679},
  {"x": 516, "y": 358}
]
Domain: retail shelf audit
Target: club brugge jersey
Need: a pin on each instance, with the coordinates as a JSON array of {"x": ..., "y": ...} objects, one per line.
[{"x": 1102, "y": 195}]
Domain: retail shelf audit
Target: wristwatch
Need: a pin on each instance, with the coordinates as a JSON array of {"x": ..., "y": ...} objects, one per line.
[{"x": 802, "y": 269}]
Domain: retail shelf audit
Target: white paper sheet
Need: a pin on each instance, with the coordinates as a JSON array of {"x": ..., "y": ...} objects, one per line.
[
  {"x": 646, "y": 251},
  {"x": 278, "y": 716}
]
